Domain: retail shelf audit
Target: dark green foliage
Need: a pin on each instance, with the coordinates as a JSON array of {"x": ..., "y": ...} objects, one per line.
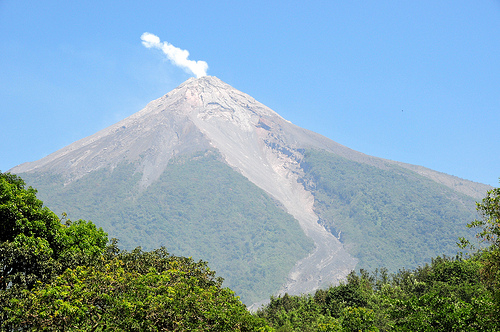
[
  {"x": 389, "y": 217},
  {"x": 291, "y": 313},
  {"x": 199, "y": 207},
  {"x": 34, "y": 245},
  {"x": 342, "y": 296},
  {"x": 489, "y": 210}
]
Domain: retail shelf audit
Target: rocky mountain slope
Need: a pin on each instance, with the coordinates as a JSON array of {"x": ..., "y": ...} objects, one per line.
[{"x": 207, "y": 114}]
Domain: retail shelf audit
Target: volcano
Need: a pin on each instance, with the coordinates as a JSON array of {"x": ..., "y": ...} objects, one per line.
[{"x": 209, "y": 172}]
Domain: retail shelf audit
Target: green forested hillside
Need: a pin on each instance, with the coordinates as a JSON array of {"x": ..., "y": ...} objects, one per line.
[
  {"x": 199, "y": 207},
  {"x": 460, "y": 294},
  {"x": 389, "y": 217}
]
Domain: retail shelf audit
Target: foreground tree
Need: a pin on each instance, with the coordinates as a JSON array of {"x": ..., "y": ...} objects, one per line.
[
  {"x": 137, "y": 291},
  {"x": 489, "y": 209},
  {"x": 34, "y": 244},
  {"x": 489, "y": 234}
]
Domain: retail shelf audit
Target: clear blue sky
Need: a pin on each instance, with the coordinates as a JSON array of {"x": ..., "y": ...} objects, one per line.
[{"x": 413, "y": 81}]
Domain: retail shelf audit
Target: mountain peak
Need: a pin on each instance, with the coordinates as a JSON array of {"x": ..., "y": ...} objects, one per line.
[
  {"x": 191, "y": 117},
  {"x": 208, "y": 97},
  {"x": 212, "y": 80}
]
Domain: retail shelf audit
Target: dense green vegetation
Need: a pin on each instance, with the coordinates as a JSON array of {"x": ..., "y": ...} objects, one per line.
[
  {"x": 59, "y": 277},
  {"x": 133, "y": 291},
  {"x": 386, "y": 217},
  {"x": 199, "y": 208}
]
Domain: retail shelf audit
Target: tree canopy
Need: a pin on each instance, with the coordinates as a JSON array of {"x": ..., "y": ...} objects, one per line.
[
  {"x": 445, "y": 295},
  {"x": 34, "y": 244},
  {"x": 134, "y": 291}
]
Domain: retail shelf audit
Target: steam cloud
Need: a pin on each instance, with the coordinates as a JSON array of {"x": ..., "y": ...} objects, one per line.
[{"x": 176, "y": 55}]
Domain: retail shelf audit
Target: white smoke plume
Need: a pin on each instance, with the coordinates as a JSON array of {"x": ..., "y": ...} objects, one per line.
[{"x": 176, "y": 55}]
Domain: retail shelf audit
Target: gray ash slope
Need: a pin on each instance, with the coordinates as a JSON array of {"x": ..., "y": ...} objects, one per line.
[{"x": 204, "y": 114}]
